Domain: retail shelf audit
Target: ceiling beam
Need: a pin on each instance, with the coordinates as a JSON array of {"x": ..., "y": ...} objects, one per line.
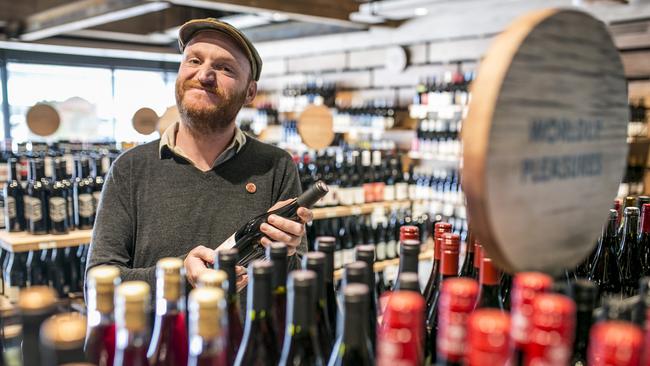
[
  {"x": 158, "y": 21},
  {"x": 336, "y": 12},
  {"x": 83, "y": 14}
]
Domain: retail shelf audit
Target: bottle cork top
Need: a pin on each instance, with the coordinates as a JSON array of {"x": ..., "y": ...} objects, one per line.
[
  {"x": 36, "y": 299},
  {"x": 213, "y": 278},
  {"x": 64, "y": 331}
]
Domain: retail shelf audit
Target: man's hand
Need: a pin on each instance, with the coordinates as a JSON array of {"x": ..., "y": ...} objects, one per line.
[
  {"x": 242, "y": 277},
  {"x": 195, "y": 262},
  {"x": 284, "y": 230}
]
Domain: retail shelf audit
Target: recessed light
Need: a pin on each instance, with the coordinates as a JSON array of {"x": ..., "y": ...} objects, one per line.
[{"x": 421, "y": 11}]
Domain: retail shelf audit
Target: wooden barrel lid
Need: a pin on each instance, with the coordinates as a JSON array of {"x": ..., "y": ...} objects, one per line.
[
  {"x": 145, "y": 120},
  {"x": 316, "y": 126},
  {"x": 43, "y": 119},
  {"x": 544, "y": 142}
]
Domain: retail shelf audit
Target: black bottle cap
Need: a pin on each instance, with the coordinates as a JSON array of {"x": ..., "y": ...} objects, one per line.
[
  {"x": 355, "y": 293},
  {"x": 302, "y": 278},
  {"x": 409, "y": 281},
  {"x": 365, "y": 253},
  {"x": 313, "y": 194},
  {"x": 226, "y": 257},
  {"x": 356, "y": 272},
  {"x": 584, "y": 294},
  {"x": 641, "y": 200},
  {"x": 260, "y": 268},
  {"x": 313, "y": 261},
  {"x": 326, "y": 244},
  {"x": 277, "y": 250},
  {"x": 631, "y": 211}
]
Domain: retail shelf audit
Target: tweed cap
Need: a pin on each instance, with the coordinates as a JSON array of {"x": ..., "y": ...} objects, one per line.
[{"x": 192, "y": 27}]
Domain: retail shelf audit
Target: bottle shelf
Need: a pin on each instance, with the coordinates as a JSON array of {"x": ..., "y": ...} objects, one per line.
[
  {"x": 452, "y": 161},
  {"x": 425, "y": 255},
  {"x": 24, "y": 241},
  {"x": 421, "y": 111},
  {"x": 366, "y": 208}
]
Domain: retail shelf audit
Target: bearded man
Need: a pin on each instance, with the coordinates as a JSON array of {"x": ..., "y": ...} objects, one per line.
[{"x": 183, "y": 195}]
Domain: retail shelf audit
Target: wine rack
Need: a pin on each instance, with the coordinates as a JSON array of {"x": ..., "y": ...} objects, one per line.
[
  {"x": 24, "y": 241},
  {"x": 341, "y": 211}
]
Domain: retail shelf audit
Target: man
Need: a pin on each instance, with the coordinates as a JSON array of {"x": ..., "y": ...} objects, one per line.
[{"x": 185, "y": 194}]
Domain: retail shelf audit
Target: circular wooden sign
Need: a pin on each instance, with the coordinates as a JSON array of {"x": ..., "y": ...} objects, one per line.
[
  {"x": 544, "y": 142},
  {"x": 43, "y": 119},
  {"x": 316, "y": 126},
  {"x": 145, "y": 120}
]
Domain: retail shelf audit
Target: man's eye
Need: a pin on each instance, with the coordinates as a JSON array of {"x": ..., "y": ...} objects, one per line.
[{"x": 193, "y": 61}]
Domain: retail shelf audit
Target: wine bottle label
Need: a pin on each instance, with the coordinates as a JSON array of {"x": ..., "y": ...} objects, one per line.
[
  {"x": 338, "y": 259},
  {"x": 12, "y": 293},
  {"x": 413, "y": 191},
  {"x": 448, "y": 209},
  {"x": 333, "y": 195},
  {"x": 4, "y": 172},
  {"x": 381, "y": 251},
  {"x": 70, "y": 206},
  {"x": 96, "y": 197},
  {"x": 359, "y": 196},
  {"x": 389, "y": 192},
  {"x": 10, "y": 207},
  {"x": 69, "y": 164},
  {"x": 401, "y": 191},
  {"x": 28, "y": 207},
  {"x": 227, "y": 244},
  {"x": 348, "y": 256},
  {"x": 57, "y": 209},
  {"x": 106, "y": 163},
  {"x": 368, "y": 192},
  {"x": 451, "y": 335},
  {"x": 86, "y": 205},
  {"x": 520, "y": 326},
  {"x": 47, "y": 163},
  {"x": 378, "y": 191},
  {"x": 35, "y": 209},
  {"x": 391, "y": 247},
  {"x": 346, "y": 196}
]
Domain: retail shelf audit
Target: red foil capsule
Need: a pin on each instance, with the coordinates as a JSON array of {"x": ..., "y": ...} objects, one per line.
[
  {"x": 457, "y": 299},
  {"x": 409, "y": 232},
  {"x": 615, "y": 343},
  {"x": 439, "y": 229},
  {"x": 451, "y": 242},
  {"x": 525, "y": 287},
  {"x": 400, "y": 338},
  {"x": 552, "y": 331},
  {"x": 487, "y": 338}
]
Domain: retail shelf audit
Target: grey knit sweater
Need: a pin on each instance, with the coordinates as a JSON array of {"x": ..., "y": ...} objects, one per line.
[{"x": 156, "y": 205}]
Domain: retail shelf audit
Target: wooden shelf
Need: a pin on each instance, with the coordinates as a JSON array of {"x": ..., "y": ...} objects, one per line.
[
  {"x": 341, "y": 211},
  {"x": 24, "y": 242},
  {"x": 425, "y": 255}
]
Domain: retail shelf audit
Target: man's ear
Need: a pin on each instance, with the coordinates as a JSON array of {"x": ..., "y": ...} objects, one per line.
[{"x": 251, "y": 92}]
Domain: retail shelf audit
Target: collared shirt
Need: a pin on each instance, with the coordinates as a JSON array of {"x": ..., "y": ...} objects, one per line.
[{"x": 168, "y": 144}]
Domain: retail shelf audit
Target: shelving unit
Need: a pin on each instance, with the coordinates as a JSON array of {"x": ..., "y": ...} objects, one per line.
[
  {"x": 24, "y": 242},
  {"x": 341, "y": 211}
]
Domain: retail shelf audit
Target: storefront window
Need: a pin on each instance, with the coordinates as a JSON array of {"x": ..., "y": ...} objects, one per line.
[{"x": 81, "y": 95}]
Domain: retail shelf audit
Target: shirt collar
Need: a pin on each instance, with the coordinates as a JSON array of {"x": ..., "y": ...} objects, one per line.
[{"x": 168, "y": 144}]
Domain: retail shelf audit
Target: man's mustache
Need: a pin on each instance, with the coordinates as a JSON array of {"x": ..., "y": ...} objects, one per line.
[{"x": 196, "y": 85}]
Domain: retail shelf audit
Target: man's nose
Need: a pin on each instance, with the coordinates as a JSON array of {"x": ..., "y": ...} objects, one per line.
[{"x": 207, "y": 76}]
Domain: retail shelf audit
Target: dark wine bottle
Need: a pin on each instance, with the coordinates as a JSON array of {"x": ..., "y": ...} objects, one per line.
[
  {"x": 448, "y": 269},
  {"x": 315, "y": 262},
  {"x": 72, "y": 271},
  {"x": 404, "y": 314},
  {"x": 605, "y": 271},
  {"x": 409, "y": 258},
  {"x": 83, "y": 189},
  {"x": 483, "y": 327},
  {"x": 62, "y": 339},
  {"x": 629, "y": 201},
  {"x": 246, "y": 239},
  {"x": 615, "y": 343},
  {"x": 36, "y": 270},
  {"x": 366, "y": 253},
  {"x": 100, "y": 339},
  {"x": 301, "y": 345},
  {"x": 15, "y": 275},
  {"x": 55, "y": 263},
  {"x": 277, "y": 253},
  {"x": 455, "y": 304},
  {"x": 207, "y": 327},
  {"x": 226, "y": 261},
  {"x": 37, "y": 198},
  {"x": 13, "y": 194},
  {"x": 353, "y": 346},
  {"x": 327, "y": 245},
  {"x": 131, "y": 325},
  {"x": 408, "y": 281},
  {"x": 433, "y": 284},
  {"x": 36, "y": 305},
  {"x": 478, "y": 255},
  {"x": 584, "y": 294},
  {"x": 489, "y": 293},
  {"x": 258, "y": 346},
  {"x": 526, "y": 286},
  {"x": 467, "y": 268},
  {"x": 629, "y": 255},
  {"x": 169, "y": 340},
  {"x": 644, "y": 239},
  {"x": 58, "y": 202}
]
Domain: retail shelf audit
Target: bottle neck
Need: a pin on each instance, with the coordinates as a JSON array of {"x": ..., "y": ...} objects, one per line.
[
  {"x": 354, "y": 327},
  {"x": 301, "y": 311},
  {"x": 259, "y": 298},
  {"x": 631, "y": 225},
  {"x": 448, "y": 264},
  {"x": 584, "y": 319},
  {"x": 408, "y": 260},
  {"x": 279, "y": 281},
  {"x": 645, "y": 224}
]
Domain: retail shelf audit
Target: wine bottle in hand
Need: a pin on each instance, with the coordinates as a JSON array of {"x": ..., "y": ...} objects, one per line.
[{"x": 247, "y": 238}]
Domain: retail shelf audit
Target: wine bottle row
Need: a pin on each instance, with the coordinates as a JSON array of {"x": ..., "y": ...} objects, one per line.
[
  {"x": 61, "y": 269},
  {"x": 452, "y": 88},
  {"x": 374, "y": 117},
  {"x": 297, "y": 97}
]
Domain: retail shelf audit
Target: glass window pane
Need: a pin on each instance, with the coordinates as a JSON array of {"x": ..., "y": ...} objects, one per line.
[
  {"x": 81, "y": 95},
  {"x": 136, "y": 89}
]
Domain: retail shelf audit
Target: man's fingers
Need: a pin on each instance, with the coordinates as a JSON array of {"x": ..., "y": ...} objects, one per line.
[
  {"x": 280, "y": 204},
  {"x": 305, "y": 214},
  {"x": 206, "y": 254},
  {"x": 276, "y": 234},
  {"x": 286, "y": 225},
  {"x": 239, "y": 270}
]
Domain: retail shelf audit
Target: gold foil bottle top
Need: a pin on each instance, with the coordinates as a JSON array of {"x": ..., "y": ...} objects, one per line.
[
  {"x": 213, "y": 278},
  {"x": 169, "y": 278},
  {"x": 132, "y": 305},
  {"x": 207, "y": 306},
  {"x": 101, "y": 287},
  {"x": 64, "y": 331},
  {"x": 37, "y": 299}
]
